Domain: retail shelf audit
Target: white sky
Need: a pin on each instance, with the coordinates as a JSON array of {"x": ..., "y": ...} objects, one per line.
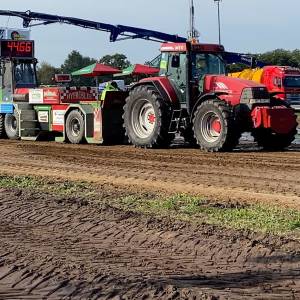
[{"x": 247, "y": 26}]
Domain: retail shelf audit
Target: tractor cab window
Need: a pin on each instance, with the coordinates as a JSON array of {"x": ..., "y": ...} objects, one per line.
[
  {"x": 206, "y": 63},
  {"x": 24, "y": 75}
]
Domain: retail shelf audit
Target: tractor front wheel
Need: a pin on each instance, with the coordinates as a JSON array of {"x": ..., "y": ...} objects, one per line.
[
  {"x": 11, "y": 126},
  {"x": 214, "y": 126},
  {"x": 147, "y": 118},
  {"x": 75, "y": 127}
]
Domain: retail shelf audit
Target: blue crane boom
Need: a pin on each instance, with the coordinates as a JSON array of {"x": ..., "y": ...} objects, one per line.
[
  {"x": 126, "y": 32},
  {"x": 240, "y": 58}
]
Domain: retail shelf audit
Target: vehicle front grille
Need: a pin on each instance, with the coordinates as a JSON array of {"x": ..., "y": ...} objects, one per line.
[{"x": 293, "y": 100}]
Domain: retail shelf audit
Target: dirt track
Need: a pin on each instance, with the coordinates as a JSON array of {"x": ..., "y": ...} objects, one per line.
[
  {"x": 58, "y": 249},
  {"x": 243, "y": 175},
  {"x": 53, "y": 247}
]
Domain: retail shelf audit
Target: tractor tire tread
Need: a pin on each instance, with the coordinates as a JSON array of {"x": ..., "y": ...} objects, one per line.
[
  {"x": 232, "y": 136},
  {"x": 2, "y": 131},
  {"x": 161, "y": 137}
]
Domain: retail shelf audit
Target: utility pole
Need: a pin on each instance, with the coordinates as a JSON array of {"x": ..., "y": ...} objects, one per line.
[
  {"x": 193, "y": 34},
  {"x": 219, "y": 19}
]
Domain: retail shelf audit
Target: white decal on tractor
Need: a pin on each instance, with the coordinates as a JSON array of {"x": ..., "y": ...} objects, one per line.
[{"x": 221, "y": 85}]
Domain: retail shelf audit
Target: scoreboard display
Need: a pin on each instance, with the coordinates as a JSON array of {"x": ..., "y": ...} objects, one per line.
[{"x": 17, "y": 49}]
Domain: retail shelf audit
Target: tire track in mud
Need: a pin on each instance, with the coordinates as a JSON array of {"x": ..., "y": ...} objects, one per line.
[
  {"x": 61, "y": 249},
  {"x": 240, "y": 176}
]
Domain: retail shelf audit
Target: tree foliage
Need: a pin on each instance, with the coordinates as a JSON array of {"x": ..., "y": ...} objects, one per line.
[
  {"x": 74, "y": 62},
  {"x": 117, "y": 60},
  {"x": 45, "y": 73},
  {"x": 281, "y": 57},
  {"x": 278, "y": 57}
]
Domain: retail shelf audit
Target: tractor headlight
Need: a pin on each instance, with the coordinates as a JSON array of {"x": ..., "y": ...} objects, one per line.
[
  {"x": 259, "y": 101},
  {"x": 255, "y": 95}
]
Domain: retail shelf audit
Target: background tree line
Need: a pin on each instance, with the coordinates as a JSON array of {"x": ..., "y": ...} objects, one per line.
[
  {"x": 278, "y": 57},
  {"x": 76, "y": 61}
]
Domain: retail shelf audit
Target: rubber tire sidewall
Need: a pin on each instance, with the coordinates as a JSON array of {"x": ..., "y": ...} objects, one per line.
[
  {"x": 11, "y": 133},
  {"x": 231, "y": 133},
  {"x": 2, "y": 129},
  {"x": 159, "y": 137},
  {"x": 205, "y": 107},
  {"x": 71, "y": 138}
]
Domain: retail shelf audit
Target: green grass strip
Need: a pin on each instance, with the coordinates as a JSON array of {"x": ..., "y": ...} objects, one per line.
[{"x": 256, "y": 217}]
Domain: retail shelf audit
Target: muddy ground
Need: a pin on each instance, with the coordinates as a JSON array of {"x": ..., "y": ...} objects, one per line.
[{"x": 55, "y": 247}]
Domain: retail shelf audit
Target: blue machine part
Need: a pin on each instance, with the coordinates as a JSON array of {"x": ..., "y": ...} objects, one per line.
[
  {"x": 6, "y": 108},
  {"x": 126, "y": 32},
  {"x": 246, "y": 59}
]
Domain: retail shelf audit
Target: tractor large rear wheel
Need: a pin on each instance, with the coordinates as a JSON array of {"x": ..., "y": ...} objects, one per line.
[
  {"x": 2, "y": 130},
  {"x": 214, "y": 126},
  {"x": 11, "y": 126},
  {"x": 147, "y": 118},
  {"x": 271, "y": 141}
]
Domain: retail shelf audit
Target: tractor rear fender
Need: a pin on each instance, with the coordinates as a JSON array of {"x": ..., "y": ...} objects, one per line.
[
  {"x": 203, "y": 98},
  {"x": 88, "y": 112},
  {"x": 163, "y": 87}
]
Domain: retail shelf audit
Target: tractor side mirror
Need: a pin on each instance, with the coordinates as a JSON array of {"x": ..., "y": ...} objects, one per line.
[
  {"x": 175, "y": 61},
  {"x": 277, "y": 81}
]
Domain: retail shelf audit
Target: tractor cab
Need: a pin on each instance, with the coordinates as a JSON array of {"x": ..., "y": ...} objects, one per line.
[{"x": 187, "y": 64}]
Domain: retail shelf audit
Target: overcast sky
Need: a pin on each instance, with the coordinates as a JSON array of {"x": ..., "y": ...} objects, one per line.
[{"x": 247, "y": 26}]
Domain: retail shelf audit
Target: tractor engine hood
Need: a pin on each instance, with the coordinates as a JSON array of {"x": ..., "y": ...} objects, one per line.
[{"x": 233, "y": 87}]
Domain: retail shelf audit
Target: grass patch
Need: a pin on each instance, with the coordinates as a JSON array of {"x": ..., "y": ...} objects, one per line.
[
  {"x": 256, "y": 217},
  {"x": 63, "y": 188}
]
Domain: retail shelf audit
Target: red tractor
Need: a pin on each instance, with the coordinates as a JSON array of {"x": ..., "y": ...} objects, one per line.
[{"x": 193, "y": 97}]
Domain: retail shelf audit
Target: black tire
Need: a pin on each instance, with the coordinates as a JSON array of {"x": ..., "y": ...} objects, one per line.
[
  {"x": 271, "y": 141},
  {"x": 188, "y": 135},
  {"x": 147, "y": 118},
  {"x": 11, "y": 126},
  {"x": 225, "y": 137},
  {"x": 2, "y": 130},
  {"x": 75, "y": 127}
]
